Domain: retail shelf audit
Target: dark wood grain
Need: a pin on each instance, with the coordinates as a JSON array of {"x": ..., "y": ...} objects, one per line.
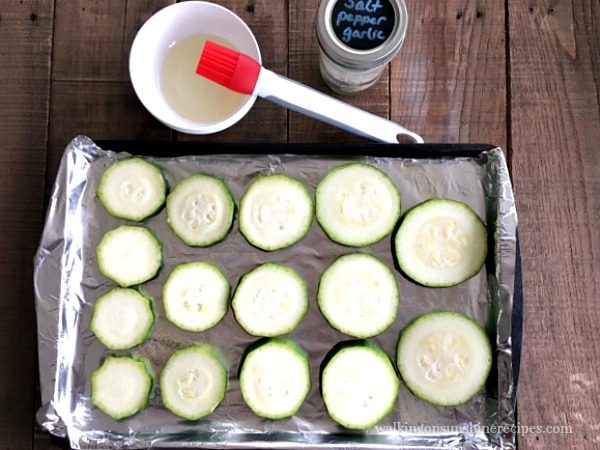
[
  {"x": 555, "y": 87},
  {"x": 92, "y": 39},
  {"x": 26, "y": 37},
  {"x": 449, "y": 79},
  {"x": 87, "y": 27},
  {"x": 101, "y": 110},
  {"x": 304, "y": 67}
]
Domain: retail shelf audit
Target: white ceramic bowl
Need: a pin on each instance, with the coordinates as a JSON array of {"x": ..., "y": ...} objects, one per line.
[{"x": 174, "y": 23}]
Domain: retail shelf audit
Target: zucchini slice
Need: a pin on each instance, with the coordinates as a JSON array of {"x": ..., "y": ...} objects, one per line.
[
  {"x": 444, "y": 357},
  {"x": 193, "y": 382},
  {"x": 275, "y": 212},
  {"x": 195, "y": 296},
  {"x": 275, "y": 379},
  {"x": 122, "y": 318},
  {"x": 441, "y": 243},
  {"x": 121, "y": 386},
  {"x": 129, "y": 255},
  {"x": 200, "y": 210},
  {"x": 270, "y": 300},
  {"x": 357, "y": 204},
  {"x": 358, "y": 295},
  {"x": 132, "y": 189},
  {"x": 359, "y": 385}
]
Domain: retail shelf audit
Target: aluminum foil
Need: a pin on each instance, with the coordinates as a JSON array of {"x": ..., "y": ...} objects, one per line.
[{"x": 67, "y": 282}]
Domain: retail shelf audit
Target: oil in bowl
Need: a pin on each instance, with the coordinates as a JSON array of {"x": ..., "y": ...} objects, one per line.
[{"x": 191, "y": 96}]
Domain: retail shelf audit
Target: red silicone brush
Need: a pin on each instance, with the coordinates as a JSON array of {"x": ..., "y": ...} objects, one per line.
[{"x": 243, "y": 74}]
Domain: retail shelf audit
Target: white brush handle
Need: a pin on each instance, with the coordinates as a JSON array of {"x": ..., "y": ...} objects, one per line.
[{"x": 308, "y": 101}]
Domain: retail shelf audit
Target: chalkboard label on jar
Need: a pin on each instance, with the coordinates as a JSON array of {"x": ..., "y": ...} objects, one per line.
[{"x": 363, "y": 24}]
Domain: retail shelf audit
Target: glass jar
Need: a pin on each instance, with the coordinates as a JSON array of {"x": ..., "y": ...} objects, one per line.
[{"x": 357, "y": 39}]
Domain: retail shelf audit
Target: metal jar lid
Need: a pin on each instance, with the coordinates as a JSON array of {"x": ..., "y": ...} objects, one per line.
[{"x": 346, "y": 55}]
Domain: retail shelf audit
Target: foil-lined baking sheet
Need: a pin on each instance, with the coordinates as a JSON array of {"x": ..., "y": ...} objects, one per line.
[{"x": 67, "y": 282}]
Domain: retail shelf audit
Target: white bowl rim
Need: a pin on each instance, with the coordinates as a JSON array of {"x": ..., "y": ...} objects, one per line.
[{"x": 171, "y": 118}]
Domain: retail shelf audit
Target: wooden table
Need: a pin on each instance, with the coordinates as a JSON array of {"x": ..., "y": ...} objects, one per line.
[{"x": 524, "y": 75}]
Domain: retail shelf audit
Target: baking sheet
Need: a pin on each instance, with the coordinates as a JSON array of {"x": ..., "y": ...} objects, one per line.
[{"x": 67, "y": 281}]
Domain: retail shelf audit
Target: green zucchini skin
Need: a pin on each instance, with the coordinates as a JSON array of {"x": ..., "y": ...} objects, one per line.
[
  {"x": 370, "y": 208},
  {"x": 120, "y": 329},
  {"x": 275, "y": 378},
  {"x": 451, "y": 252},
  {"x": 207, "y": 302},
  {"x": 132, "y": 202},
  {"x": 269, "y": 323},
  {"x": 358, "y": 295},
  {"x": 129, "y": 255},
  {"x": 116, "y": 392},
  {"x": 212, "y": 203},
  {"x": 259, "y": 223},
  {"x": 355, "y": 375},
  {"x": 193, "y": 381},
  {"x": 444, "y": 357}
]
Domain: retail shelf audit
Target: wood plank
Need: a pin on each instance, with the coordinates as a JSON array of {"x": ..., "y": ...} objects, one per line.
[
  {"x": 304, "y": 67},
  {"x": 265, "y": 122},
  {"x": 83, "y": 28},
  {"x": 100, "y": 110},
  {"x": 103, "y": 29},
  {"x": 555, "y": 87},
  {"x": 449, "y": 79},
  {"x": 26, "y": 36}
]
